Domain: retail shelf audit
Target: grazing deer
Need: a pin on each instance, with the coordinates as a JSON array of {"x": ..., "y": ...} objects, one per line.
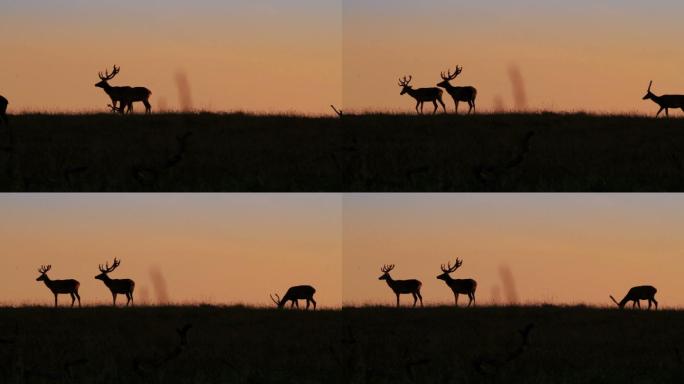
[
  {"x": 466, "y": 286},
  {"x": 635, "y": 294},
  {"x": 411, "y": 286},
  {"x": 665, "y": 101},
  {"x": 125, "y": 96},
  {"x": 117, "y": 286},
  {"x": 3, "y": 110},
  {"x": 294, "y": 294},
  {"x": 467, "y": 94},
  {"x": 422, "y": 94},
  {"x": 57, "y": 287}
]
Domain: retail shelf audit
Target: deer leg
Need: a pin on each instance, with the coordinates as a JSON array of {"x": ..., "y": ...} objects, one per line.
[
  {"x": 434, "y": 102},
  {"x": 456, "y": 298},
  {"x": 655, "y": 302},
  {"x": 73, "y": 299},
  {"x": 417, "y": 104},
  {"x": 55, "y": 300},
  {"x": 415, "y": 299},
  {"x": 422, "y": 104},
  {"x": 660, "y": 110},
  {"x": 314, "y": 303},
  {"x": 114, "y": 298},
  {"x": 473, "y": 105},
  {"x": 649, "y": 304},
  {"x": 397, "y": 300},
  {"x": 667, "y": 112},
  {"x": 148, "y": 107},
  {"x": 421, "y": 299},
  {"x": 442, "y": 103},
  {"x": 128, "y": 298},
  {"x": 307, "y": 304},
  {"x": 79, "y": 299}
]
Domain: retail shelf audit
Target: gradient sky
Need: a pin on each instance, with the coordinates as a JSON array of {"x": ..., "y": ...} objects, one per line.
[
  {"x": 262, "y": 56},
  {"x": 302, "y": 55},
  {"x": 229, "y": 248},
  {"x": 560, "y": 248},
  {"x": 573, "y": 55}
]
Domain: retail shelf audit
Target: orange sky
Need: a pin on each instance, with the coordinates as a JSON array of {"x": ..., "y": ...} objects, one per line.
[
  {"x": 560, "y": 248},
  {"x": 267, "y": 56},
  {"x": 302, "y": 55},
  {"x": 227, "y": 248}
]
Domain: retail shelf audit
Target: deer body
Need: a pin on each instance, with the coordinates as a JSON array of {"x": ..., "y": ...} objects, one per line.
[
  {"x": 125, "y": 96},
  {"x": 69, "y": 286},
  {"x": 458, "y": 286},
  {"x": 296, "y": 293},
  {"x": 636, "y": 294},
  {"x": 116, "y": 286},
  {"x": 421, "y": 95},
  {"x": 3, "y": 110},
  {"x": 467, "y": 94},
  {"x": 399, "y": 287},
  {"x": 665, "y": 102}
]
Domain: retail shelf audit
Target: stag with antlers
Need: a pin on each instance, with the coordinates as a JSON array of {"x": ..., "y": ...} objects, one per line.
[
  {"x": 422, "y": 95},
  {"x": 116, "y": 286},
  {"x": 125, "y": 96},
  {"x": 665, "y": 101},
  {"x": 399, "y": 287},
  {"x": 458, "y": 286},
  {"x": 3, "y": 110},
  {"x": 636, "y": 294},
  {"x": 294, "y": 294},
  {"x": 467, "y": 94},
  {"x": 57, "y": 287}
]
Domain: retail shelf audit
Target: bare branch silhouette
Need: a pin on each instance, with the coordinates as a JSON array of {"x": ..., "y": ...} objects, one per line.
[
  {"x": 69, "y": 286},
  {"x": 422, "y": 95},
  {"x": 125, "y": 96},
  {"x": 465, "y": 286},
  {"x": 636, "y": 294},
  {"x": 116, "y": 286},
  {"x": 399, "y": 287},
  {"x": 665, "y": 102},
  {"x": 338, "y": 112},
  {"x": 294, "y": 294},
  {"x": 467, "y": 94}
]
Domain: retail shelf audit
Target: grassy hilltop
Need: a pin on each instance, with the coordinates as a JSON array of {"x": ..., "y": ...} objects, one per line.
[
  {"x": 374, "y": 152},
  {"x": 357, "y": 345}
]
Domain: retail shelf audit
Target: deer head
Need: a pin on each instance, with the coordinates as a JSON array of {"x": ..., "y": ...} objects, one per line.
[
  {"x": 43, "y": 270},
  {"x": 106, "y": 269},
  {"x": 448, "y": 269},
  {"x": 649, "y": 94},
  {"x": 280, "y": 303},
  {"x": 385, "y": 272},
  {"x": 106, "y": 77},
  {"x": 449, "y": 76},
  {"x": 404, "y": 84}
]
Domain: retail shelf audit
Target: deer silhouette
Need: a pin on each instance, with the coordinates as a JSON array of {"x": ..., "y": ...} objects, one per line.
[
  {"x": 57, "y": 287},
  {"x": 422, "y": 95},
  {"x": 636, "y": 294},
  {"x": 467, "y": 94},
  {"x": 116, "y": 286},
  {"x": 125, "y": 96},
  {"x": 294, "y": 294},
  {"x": 3, "y": 110},
  {"x": 399, "y": 287},
  {"x": 465, "y": 286},
  {"x": 665, "y": 101}
]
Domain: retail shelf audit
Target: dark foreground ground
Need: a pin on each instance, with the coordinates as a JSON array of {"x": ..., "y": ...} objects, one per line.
[
  {"x": 374, "y": 153},
  {"x": 367, "y": 345}
]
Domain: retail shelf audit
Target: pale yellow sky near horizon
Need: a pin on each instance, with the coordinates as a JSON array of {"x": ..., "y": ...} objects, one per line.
[{"x": 239, "y": 248}]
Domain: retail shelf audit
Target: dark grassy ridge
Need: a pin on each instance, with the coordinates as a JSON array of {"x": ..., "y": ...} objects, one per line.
[
  {"x": 366, "y": 345},
  {"x": 170, "y": 152},
  {"x": 513, "y": 152},
  {"x": 358, "y": 153}
]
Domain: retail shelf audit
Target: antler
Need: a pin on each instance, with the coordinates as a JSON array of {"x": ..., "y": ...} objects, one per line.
[
  {"x": 449, "y": 268},
  {"x": 386, "y": 268},
  {"x": 44, "y": 269},
  {"x": 107, "y": 75},
  {"x": 405, "y": 82},
  {"x": 451, "y": 76},
  {"x": 649, "y": 86},
  {"x": 274, "y": 300},
  {"x": 107, "y": 268}
]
